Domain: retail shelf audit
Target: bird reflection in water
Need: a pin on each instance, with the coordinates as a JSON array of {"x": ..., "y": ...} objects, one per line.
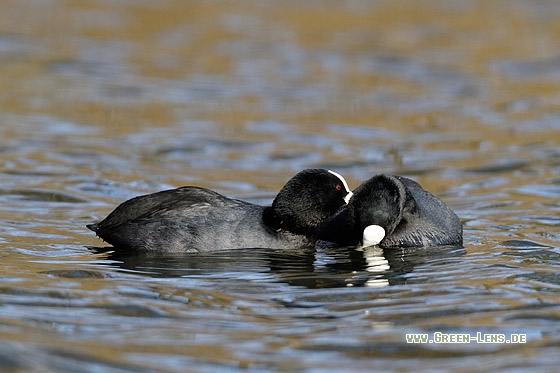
[{"x": 376, "y": 265}]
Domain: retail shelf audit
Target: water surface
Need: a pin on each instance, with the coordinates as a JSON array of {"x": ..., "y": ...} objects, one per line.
[{"x": 102, "y": 101}]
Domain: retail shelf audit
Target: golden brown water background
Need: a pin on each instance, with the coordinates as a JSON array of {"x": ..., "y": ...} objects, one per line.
[{"x": 104, "y": 100}]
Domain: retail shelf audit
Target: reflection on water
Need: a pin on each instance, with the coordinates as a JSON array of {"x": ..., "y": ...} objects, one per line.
[
  {"x": 103, "y": 101},
  {"x": 376, "y": 265},
  {"x": 327, "y": 266}
]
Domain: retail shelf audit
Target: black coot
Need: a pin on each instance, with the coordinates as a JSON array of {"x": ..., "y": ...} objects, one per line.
[
  {"x": 393, "y": 211},
  {"x": 193, "y": 219}
]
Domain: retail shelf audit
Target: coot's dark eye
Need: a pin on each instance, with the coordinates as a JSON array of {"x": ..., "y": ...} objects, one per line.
[{"x": 338, "y": 187}]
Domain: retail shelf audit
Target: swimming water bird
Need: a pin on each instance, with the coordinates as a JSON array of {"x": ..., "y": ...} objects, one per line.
[
  {"x": 393, "y": 211},
  {"x": 194, "y": 219}
]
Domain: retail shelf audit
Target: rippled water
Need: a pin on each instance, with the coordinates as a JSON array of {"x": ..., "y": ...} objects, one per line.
[{"x": 102, "y": 101}]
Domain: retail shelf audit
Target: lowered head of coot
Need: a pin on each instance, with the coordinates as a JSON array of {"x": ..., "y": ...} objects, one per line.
[
  {"x": 394, "y": 211},
  {"x": 377, "y": 208}
]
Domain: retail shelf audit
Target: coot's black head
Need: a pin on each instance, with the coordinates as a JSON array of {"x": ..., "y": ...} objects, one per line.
[
  {"x": 306, "y": 200},
  {"x": 378, "y": 201}
]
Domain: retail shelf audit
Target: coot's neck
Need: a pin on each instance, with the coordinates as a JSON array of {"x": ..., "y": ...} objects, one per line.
[
  {"x": 273, "y": 220},
  {"x": 270, "y": 218}
]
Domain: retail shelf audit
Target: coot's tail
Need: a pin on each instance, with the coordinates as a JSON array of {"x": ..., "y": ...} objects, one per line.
[{"x": 92, "y": 227}]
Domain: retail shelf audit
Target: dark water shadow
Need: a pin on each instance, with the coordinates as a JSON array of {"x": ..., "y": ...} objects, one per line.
[{"x": 321, "y": 267}]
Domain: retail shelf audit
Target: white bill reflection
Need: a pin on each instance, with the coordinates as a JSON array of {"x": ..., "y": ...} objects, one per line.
[{"x": 376, "y": 265}]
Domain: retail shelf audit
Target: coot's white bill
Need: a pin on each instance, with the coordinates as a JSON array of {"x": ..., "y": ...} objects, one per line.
[{"x": 373, "y": 234}]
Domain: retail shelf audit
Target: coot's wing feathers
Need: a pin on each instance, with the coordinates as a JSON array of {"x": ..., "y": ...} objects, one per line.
[
  {"x": 431, "y": 222},
  {"x": 208, "y": 205},
  {"x": 409, "y": 183},
  {"x": 179, "y": 220},
  {"x": 163, "y": 203}
]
